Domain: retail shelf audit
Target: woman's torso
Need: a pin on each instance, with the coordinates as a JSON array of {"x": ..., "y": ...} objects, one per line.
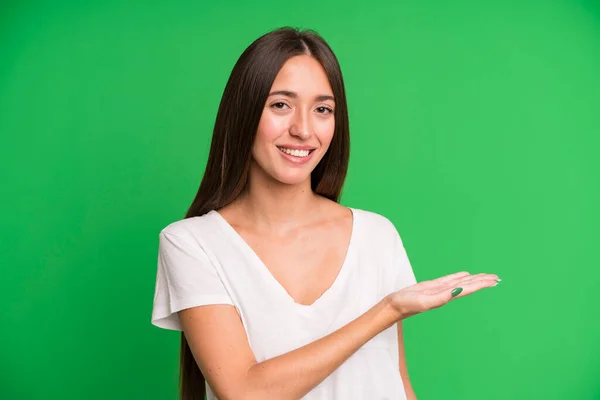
[{"x": 275, "y": 324}]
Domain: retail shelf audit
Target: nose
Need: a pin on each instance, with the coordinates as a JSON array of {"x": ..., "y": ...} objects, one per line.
[{"x": 300, "y": 125}]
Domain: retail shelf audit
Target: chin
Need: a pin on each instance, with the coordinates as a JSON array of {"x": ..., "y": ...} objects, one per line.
[
  {"x": 277, "y": 172},
  {"x": 292, "y": 179}
]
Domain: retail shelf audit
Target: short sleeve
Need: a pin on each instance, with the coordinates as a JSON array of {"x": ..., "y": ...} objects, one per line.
[
  {"x": 185, "y": 278},
  {"x": 405, "y": 275}
]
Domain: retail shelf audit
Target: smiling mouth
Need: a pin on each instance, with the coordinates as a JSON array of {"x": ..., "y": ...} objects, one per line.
[{"x": 295, "y": 153}]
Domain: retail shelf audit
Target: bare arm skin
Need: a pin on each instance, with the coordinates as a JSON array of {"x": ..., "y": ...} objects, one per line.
[
  {"x": 220, "y": 346},
  {"x": 408, "y": 389}
]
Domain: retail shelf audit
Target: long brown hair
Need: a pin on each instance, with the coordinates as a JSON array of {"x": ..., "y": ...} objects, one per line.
[{"x": 228, "y": 165}]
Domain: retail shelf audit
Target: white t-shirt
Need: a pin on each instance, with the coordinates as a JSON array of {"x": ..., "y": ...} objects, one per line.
[{"x": 203, "y": 260}]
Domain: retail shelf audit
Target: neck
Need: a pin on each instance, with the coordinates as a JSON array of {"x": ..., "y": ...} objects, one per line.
[{"x": 270, "y": 204}]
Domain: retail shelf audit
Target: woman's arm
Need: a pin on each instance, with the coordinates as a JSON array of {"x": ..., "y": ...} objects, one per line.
[
  {"x": 220, "y": 346},
  {"x": 408, "y": 389}
]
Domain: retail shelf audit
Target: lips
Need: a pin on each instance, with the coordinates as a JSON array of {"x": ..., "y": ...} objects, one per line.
[
  {"x": 295, "y": 152},
  {"x": 296, "y": 156}
]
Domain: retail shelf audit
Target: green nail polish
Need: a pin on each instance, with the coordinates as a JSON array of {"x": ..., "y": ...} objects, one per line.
[{"x": 456, "y": 291}]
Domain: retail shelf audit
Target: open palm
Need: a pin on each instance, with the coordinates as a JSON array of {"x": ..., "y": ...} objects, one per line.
[{"x": 435, "y": 293}]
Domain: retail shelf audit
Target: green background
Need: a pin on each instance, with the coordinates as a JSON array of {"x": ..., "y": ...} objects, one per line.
[{"x": 474, "y": 128}]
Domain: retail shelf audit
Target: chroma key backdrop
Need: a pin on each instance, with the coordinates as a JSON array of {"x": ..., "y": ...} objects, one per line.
[{"x": 474, "y": 128}]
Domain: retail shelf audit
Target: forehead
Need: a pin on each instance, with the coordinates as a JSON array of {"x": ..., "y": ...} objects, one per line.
[{"x": 303, "y": 75}]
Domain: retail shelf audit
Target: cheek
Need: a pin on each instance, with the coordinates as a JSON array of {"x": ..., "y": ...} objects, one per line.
[
  {"x": 269, "y": 127},
  {"x": 324, "y": 132}
]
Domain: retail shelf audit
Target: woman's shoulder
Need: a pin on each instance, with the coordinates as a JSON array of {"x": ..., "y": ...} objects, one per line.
[
  {"x": 371, "y": 218},
  {"x": 190, "y": 227},
  {"x": 374, "y": 220}
]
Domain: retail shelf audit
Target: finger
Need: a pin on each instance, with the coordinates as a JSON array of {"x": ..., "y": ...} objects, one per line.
[
  {"x": 465, "y": 281},
  {"x": 477, "y": 277},
  {"x": 443, "y": 280},
  {"x": 476, "y": 286},
  {"x": 467, "y": 289},
  {"x": 453, "y": 276},
  {"x": 460, "y": 278}
]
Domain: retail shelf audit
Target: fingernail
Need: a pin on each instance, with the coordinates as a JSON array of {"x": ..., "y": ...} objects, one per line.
[
  {"x": 498, "y": 280},
  {"x": 456, "y": 291}
]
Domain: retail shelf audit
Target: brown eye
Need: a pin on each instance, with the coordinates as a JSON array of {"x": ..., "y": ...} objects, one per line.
[
  {"x": 324, "y": 110},
  {"x": 279, "y": 105}
]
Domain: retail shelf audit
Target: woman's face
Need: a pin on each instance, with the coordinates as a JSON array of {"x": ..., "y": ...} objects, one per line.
[{"x": 297, "y": 122}]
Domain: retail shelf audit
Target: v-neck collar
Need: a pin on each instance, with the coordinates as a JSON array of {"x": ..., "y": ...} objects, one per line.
[{"x": 340, "y": 278}]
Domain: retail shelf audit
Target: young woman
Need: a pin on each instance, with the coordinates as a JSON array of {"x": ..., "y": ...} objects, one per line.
[{"x": 281, "y": 292}]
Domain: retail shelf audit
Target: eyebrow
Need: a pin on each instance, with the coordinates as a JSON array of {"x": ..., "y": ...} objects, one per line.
[{"x": 294, "y": 95}]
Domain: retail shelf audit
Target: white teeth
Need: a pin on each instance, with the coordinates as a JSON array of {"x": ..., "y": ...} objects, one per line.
[{"x": 295, "y": 153}]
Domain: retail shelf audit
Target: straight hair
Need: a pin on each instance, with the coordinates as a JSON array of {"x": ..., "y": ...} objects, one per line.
[{"x": 238, "y": 116}]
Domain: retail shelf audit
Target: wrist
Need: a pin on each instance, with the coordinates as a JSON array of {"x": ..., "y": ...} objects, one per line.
[{"x": 391, "y": 310}]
